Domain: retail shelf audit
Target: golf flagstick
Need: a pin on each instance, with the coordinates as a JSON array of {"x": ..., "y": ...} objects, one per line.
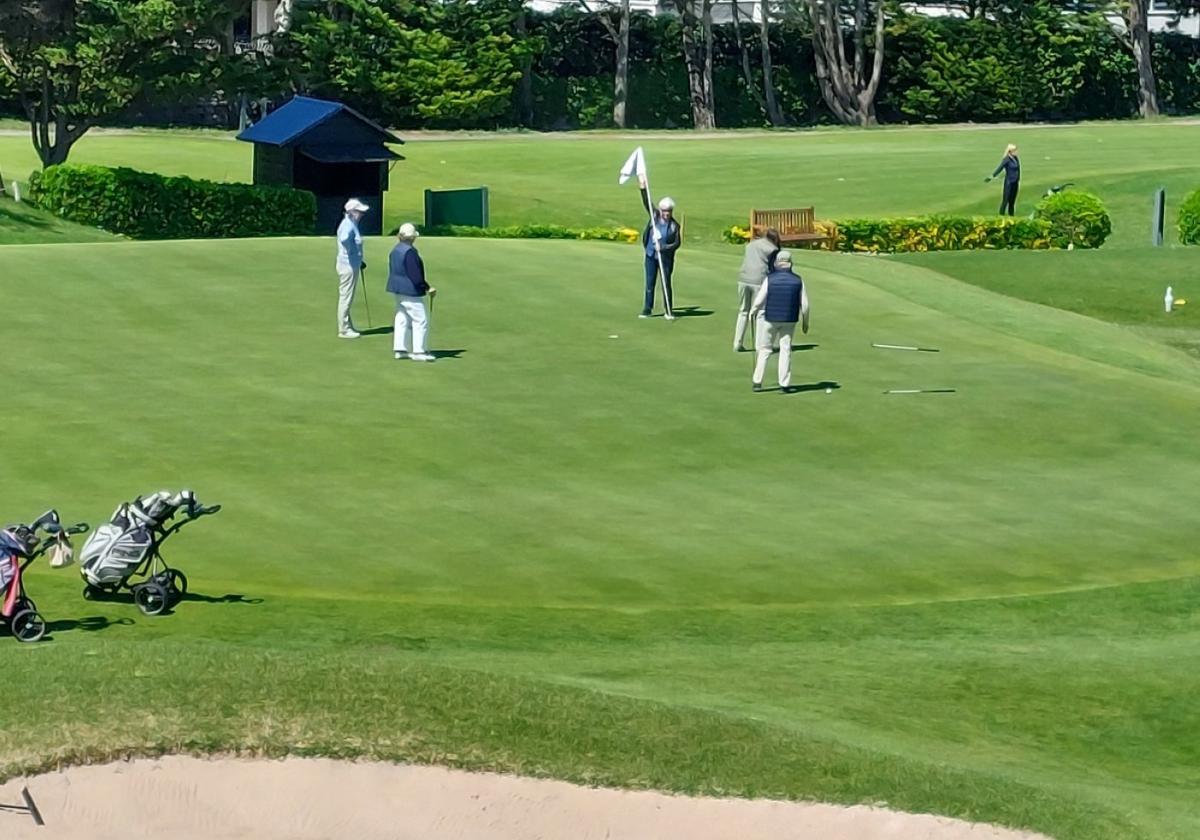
[{"x": 636, "y": 165}]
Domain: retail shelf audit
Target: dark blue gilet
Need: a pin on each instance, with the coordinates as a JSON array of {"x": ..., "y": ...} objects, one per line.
[{"x": 783, "y": 297}]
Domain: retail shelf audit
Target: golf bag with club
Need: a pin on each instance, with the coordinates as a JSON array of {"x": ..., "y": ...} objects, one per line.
[
  {"x": 129, "y": 546},
  {"x": 20, "y": 545}
]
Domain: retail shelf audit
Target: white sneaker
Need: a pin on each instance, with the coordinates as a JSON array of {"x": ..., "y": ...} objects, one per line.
[
  {"x": 669, "y": 317},
  {"x": 400, "y": 354},
  {"x": 421, "y": 357},
  {"x": 349, "y": 334}
]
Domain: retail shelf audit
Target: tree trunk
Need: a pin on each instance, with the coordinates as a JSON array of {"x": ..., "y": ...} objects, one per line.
[
  {"x": 1139, "y": 36},
  {"x": 844, "y": 86},
  {"x": 747, "y": 75},
  {"x": 621, "y": 78},
  {"x": 697, "y": 54},
  {"x": 774, "y": 112},
  {"x": 525, "y": 85}
]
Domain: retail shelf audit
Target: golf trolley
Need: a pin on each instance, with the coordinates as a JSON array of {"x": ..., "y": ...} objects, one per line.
[
  {"x": 129, "y": 547},
  {"x": 20, "y": 545}
]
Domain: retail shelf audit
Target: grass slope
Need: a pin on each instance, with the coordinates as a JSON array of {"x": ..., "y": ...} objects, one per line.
[
  {"x": 605, "y": 559},
  {"x": 22, "y": 224},
  {"x": 1120, "y": 285},
  {"x": 571, "y": 179}
]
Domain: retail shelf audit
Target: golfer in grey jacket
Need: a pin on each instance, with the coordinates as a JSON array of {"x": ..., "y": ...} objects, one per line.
[
  {"x": 406, "y": 282},
  {"x": 756, "y": 265}
]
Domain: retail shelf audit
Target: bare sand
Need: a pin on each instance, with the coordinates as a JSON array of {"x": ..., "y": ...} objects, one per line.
[{"x": 304, "y": 799}]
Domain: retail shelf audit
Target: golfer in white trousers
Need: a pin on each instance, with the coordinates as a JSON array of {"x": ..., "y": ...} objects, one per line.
[
  {"x": 406, "y": 282},
  {"x": 780, "y": 303},
  {"x": 349, "y": 263}
]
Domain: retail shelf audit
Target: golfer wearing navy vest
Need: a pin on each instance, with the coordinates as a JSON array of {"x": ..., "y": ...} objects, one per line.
[
  {"x": 781, "y": 302},
  {"x": 406, "y": 282}
]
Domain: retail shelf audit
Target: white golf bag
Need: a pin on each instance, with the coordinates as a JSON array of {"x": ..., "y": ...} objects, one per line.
[{"x": 128, "y": 546}]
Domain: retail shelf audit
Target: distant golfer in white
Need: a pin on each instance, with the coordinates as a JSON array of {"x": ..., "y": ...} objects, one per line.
[
  {"x": 349, "y": 264},
  {"x": 406, "y": 282},
  {"x": 780, "y": 303}
]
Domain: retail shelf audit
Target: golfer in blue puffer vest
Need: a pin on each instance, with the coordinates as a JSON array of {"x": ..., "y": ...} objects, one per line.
[
  {"x": 781, "y": 302},
  {"x": 406, "y": 282}
]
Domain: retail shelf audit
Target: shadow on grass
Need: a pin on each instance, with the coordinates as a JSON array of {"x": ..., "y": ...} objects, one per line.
[
  {"x": 232, "y": 598},
  {"x": 808, "y": 387},
  {"x": 8, "y": 215},
  {"x": 447, "y": 354},
  {"x": 90, "y": 624},
  {"x": 377, "y": 331},
  {"x": 691, "y": 312}
]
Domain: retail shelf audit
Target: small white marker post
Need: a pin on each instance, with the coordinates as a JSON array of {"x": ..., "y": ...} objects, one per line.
[{"x": 16, "y": 192}]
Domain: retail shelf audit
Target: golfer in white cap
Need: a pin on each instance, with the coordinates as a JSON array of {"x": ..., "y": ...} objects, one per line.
[
  {"x": 406, "y": 282},
  {"x": 349, "y": 264}
]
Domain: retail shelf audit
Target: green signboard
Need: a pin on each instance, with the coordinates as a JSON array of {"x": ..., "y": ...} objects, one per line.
[{"x": 457, "y": 207}]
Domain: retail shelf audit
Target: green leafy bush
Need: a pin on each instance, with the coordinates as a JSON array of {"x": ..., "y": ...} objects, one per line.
[
  {"x": 535, "y": 232},
  {"x": 1075, "y": 218},
  {"x": 1189, "y": 220},
  {"x": 148, "y": 206},
  {"x": 926, "y": 233}
]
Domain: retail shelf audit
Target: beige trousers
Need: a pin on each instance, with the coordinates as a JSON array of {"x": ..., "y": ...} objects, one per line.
[{"x": 768, "y": 334}]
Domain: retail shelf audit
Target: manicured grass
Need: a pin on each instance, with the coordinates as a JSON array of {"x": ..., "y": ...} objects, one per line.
[
  {"x": 604, "y": 559},
  {"x": 1121, "y": 285},
  {"x": 571, "y": 179},
  {"x": 22, "y": 224}
]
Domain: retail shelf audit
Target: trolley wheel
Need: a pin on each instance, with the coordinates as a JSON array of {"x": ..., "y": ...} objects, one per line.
[
  {"x": 178, "y": 583},
  {"x": 28, "y": 626},
  {"x": 90, "y": 593},
  {"x": 151, "y": 598}
]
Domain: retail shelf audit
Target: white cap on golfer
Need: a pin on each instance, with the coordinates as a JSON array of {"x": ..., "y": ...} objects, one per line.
[
  {"x": 783, "y": 257},
  {"x": 667, "y": 203},
  {"x": 354, "y": 205},
  {"x": 408, "y": 231}
]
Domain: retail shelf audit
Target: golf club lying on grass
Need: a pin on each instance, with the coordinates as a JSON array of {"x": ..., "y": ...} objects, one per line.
[
  {"x": 923, "y": 391},
  {"x": 906, "y": 347}
]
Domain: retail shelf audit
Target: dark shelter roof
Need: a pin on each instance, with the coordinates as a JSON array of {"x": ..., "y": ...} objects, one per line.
[
  {"x": 326, "y": 131},
  {"x": 361, "y": 152}
]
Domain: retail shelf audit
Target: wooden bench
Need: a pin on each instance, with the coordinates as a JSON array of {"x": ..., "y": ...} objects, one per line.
[{"x": 795, "y": 226}]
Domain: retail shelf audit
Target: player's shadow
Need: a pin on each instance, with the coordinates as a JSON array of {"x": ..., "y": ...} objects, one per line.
[
  {"x": 447, "y": 354},
  {"x": 90, "y": 624},
  {"x": 232, "y": 598},
  {"x": 813, "y": 386},
  {"x": 691, "y": 312},
  {"x": 378, "y": 331}
]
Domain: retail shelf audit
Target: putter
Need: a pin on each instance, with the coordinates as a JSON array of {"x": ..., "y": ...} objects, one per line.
[
  {"x": 923, "y": 391},
  {"x": 362, "y": 275},
  {"x": 906, "y": 347}
]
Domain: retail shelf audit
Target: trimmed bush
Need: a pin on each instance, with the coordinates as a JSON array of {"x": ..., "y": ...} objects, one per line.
[
  {"x": 535, "y": 232},
  {"x": 1189, "y": 219},
  {"x": 144, "y": 205},
  {"x": 1075, "y": 218},
  {"x": 926, "y": 233}
]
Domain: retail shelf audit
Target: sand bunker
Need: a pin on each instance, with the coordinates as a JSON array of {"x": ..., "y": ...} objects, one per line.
[{"x": 304, "y": 799}]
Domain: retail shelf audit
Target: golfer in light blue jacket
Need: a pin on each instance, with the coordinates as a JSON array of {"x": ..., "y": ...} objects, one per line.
[{"x": 349, "y": 264}]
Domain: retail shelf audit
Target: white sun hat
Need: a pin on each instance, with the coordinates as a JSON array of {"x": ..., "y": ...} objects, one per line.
[{"x": 355, "y": 205}]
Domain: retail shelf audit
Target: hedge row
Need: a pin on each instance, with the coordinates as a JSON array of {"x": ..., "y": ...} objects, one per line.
[
  {"x": 1189, "y": 219},
  {"x": 1076, "y": 219},
  {"x": 144, "y": 205},
  {"x": 535, "y": 232}
]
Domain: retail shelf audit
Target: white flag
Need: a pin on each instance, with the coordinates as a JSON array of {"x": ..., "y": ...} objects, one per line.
[{"x": 636, "y": 165}]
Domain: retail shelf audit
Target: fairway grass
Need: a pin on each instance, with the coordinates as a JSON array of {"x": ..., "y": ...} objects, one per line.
[
  {"x": 716, "y": 179},
  {"x": 603, "y": 559}
]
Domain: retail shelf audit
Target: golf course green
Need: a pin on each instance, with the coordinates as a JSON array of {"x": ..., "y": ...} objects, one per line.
[{"x": 578, "y": 546}]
